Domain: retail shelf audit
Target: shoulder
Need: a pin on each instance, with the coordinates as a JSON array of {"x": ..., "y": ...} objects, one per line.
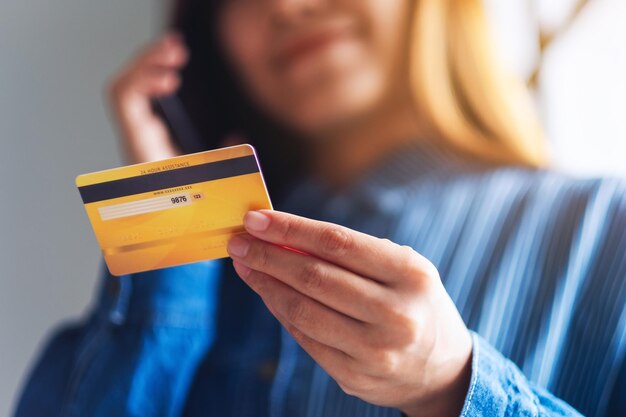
[
  {"x": 582, "y": 218},
  {"x": 572, "y": 229},
  {"x": 546, "y": 206},
  {"x": 556, "y": 190},
  {"x": 546, "y": 189}
]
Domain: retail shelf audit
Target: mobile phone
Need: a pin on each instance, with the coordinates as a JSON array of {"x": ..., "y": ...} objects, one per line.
[{"x": 184, "y": 133}]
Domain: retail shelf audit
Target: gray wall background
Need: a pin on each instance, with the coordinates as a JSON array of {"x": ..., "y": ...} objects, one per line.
[{"x": 55, "y": 57}]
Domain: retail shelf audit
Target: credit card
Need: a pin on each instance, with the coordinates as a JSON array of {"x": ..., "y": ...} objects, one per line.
[{"x": 174, "y": 211}]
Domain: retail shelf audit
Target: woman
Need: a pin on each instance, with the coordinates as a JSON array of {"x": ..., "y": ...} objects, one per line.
[{"x": 445, "y": 271}]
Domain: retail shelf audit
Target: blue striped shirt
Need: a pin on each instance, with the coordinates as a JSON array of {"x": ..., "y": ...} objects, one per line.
[{"x": 535, "y": 261}]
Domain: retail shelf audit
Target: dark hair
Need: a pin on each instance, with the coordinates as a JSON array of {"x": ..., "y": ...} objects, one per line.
[{"x": 217, "y": 105}]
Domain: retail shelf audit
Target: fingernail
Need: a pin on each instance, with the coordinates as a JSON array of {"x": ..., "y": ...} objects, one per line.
[
  {"x": 257, "y": 221},
  {"x": 241, "y": 269},
  {"x": 238, "y": 246}
]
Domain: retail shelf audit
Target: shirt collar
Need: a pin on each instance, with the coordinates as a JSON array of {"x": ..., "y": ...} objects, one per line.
[{"x": 383, "y": 186}]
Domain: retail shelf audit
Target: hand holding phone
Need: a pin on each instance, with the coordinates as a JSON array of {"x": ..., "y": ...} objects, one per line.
[{"x": 152, "y": 74}]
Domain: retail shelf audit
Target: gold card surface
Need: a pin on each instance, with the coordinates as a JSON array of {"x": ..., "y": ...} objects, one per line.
[{"x": 175, "y": 211}]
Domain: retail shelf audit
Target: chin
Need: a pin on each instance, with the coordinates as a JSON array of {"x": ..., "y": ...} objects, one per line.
[{"x": 336, "y": 104}]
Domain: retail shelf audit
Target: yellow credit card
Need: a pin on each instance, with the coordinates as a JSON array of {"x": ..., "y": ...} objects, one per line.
[{"x": 174, "y": 211}]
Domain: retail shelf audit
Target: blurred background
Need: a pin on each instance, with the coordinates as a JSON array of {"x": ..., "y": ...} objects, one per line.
[{"x": 55, "y": 58}]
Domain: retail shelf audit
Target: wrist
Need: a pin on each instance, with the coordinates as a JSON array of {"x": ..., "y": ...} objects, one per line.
[{"x": 449, "y": 398}]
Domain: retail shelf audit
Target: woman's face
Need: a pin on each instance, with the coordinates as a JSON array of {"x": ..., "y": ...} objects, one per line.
[{"x": 317, "y": 64}]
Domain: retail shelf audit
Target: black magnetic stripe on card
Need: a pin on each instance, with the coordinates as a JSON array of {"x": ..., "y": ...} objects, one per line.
[{"x": 169, "y": 179}]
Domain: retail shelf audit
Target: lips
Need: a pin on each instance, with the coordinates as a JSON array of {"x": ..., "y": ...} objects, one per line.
[{"x": 301, "y": 46}]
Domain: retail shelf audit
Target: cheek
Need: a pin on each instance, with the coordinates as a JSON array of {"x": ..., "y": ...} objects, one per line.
[
  {"x": 246, "y": 41},
  {"x": 388, "y": 23}
]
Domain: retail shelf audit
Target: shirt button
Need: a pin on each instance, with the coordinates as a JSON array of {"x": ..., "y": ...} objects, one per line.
[{"x": 267, "y": 370}]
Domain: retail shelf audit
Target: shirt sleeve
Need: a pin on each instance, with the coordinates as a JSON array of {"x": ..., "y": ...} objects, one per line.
[{"x": 499, "y": 388}]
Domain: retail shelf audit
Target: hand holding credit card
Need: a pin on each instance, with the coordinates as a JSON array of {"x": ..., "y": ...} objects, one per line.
[{"x": 175, "y": 211}]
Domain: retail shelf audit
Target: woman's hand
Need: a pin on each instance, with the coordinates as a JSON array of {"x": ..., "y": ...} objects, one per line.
[
  {"x": 372, "y": 313},
  {"x": 153, "y": 73}
]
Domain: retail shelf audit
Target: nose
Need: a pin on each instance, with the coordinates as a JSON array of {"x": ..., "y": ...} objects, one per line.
[{"x": 286, "y": 12}]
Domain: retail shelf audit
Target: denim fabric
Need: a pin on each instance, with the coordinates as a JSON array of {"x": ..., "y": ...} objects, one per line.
[
  {"x": 498, "y": 388},
  {"x": 136, "y": 353},
  {"x": 535, "y": 262}
]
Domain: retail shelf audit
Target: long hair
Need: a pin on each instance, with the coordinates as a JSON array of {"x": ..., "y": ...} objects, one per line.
[
  {"x": 463, "y": 90},
  {"x": 459, "y": 86}
]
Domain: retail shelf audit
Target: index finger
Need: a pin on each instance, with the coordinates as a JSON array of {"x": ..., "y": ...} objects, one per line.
[
  {"x": 369, "y": 256},
  {"x": 167, "y": 52}
]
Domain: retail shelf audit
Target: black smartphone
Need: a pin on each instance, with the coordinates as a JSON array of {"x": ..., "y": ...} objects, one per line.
[{"x": 171, "y": 110}]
